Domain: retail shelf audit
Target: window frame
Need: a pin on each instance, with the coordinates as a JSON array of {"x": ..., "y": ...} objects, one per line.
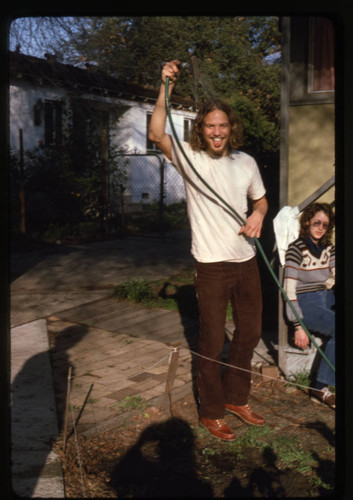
[
  {"x": 53, "y": 122},
  {"x": 311, "y": 61},
  {"x": 187, "y": 127},
  {"x": 299, "y": 69}
]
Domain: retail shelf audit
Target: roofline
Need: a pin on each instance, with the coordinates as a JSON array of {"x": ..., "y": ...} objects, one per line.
[{"x": 50, "y": 72}]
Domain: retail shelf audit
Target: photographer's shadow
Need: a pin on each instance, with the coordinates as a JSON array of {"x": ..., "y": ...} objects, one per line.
[
  {"x": 37, "y": 410},
  {"x": 161, "y": 464},
  {"x": 186, "y": 300}
]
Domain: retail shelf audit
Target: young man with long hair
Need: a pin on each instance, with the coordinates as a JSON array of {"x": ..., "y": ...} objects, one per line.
[{"x": 224, "y": 252}]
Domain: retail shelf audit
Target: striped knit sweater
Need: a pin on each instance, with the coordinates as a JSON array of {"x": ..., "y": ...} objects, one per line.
[{"x": 304, "y": 272}]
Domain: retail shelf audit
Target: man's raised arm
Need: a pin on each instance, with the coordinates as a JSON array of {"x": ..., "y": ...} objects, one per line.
[{"x": 157, "y": 133}]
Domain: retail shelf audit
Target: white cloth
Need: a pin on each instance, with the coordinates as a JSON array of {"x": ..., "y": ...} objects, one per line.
[
  {"x": 214, "y": 227},
  {"x": 286, "y": 228}
]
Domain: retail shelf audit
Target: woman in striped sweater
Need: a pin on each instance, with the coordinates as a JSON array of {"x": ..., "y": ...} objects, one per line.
[{"x": 309, "y": 278}]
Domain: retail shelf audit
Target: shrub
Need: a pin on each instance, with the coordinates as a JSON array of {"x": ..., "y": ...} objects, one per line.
[{"x": 136, "y": 290}]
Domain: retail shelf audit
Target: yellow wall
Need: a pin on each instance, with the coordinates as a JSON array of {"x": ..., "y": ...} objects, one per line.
[{"x": 311, "y": 151}]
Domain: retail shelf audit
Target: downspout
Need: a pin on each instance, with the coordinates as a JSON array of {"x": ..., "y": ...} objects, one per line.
[{"x": 283, "y": 176}]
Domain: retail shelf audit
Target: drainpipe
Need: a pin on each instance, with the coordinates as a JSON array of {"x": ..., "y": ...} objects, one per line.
[
  {"x": 283, "y": 177},
  {"x": 22, "y": 189}
]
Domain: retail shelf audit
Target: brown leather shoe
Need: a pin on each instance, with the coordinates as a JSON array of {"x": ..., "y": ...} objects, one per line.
[
  {"x": 246, "y": 414},
  {"x": 218, "y": 428}
]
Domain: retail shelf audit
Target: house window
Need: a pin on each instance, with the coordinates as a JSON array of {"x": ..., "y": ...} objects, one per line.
[
  {"x": 53, "y": 111},
  {"x": 322, "y": 51},
  {"x": 187, "y": 129},
  {"x": 150, "y": 146}
]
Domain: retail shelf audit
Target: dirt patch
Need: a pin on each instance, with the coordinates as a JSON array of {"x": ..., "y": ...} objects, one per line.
[{"x": 160, "y": 454}]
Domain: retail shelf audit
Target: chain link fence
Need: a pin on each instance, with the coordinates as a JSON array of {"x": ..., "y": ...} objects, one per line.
[
  {"x": 151, "y": 197},
  {"x": 134, "y": 194}
]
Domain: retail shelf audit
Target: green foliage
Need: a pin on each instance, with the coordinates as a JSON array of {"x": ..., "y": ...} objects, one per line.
[
  {"x": 236, "y": 56},
  {"x": 286, "y": 451},
  {"x": 49, "y": 187},
  {"x": 64, "y": 183},
  {"x": 254, "y": 437},
  {"x": 291, "y": 454},
  {"x": 175, "y": 215},
  {"x": 137, "y": 290},
  {"x": 175, "y": 293},
  {"x": 55, "y": 233},
  {"x": 133, "y": 403},
  {"x": 301, "y": 379},
  {"x": 260, "y": 133},
  {"x": 153, "y": 218}
]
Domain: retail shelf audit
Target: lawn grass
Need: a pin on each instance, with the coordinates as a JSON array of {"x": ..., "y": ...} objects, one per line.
[{"x": 172, "y": 293}]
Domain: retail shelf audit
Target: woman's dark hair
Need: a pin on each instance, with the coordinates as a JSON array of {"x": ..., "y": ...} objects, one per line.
[
  {"x": 308, "y": 213},
  {"x": 197, "y": 141}
]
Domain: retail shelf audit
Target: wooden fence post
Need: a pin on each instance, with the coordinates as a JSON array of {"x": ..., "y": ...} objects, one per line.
[
  {"x": 173, "y": 364},
  {"x": 68, "y": 390},
  {"x": 22, "y": 189}
]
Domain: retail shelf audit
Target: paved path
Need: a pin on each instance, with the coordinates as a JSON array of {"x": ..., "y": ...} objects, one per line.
[
  {"x": 47, "y": 281},
  {"x": 61, "y": 299},
  {"x": 125, "y": 317},
  {"x": 36, "y": 469},
  {"x": 119, "y": 350}
]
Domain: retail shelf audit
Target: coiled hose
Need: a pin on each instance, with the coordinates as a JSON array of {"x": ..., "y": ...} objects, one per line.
[{"x": 257, "y": 242}]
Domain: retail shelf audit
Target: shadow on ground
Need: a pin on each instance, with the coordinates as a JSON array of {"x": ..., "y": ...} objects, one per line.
[
  {"x": 31, "y": 410},
  {"x": 161, "y": 464}
]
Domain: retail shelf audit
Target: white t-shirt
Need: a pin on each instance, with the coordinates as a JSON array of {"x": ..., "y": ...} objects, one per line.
[{"x": 214, "y": 228}]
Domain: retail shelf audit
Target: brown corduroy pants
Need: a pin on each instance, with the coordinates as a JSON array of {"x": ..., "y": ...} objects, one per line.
[{"x": 216, "y": 285}]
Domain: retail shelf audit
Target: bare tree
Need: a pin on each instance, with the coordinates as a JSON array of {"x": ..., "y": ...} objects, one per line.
[{"x": 39, "y": 35}]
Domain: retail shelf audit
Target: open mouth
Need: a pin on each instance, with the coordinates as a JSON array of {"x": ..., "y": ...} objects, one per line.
[{"x": 217, "y": 141}]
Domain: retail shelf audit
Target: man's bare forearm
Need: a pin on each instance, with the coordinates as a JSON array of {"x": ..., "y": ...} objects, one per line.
[
  {"x": 159, "y": 117},
  {"x": 157, "y": 133}
]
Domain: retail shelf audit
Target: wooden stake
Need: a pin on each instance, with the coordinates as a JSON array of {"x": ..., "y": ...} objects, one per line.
[
  {"x": 67, "y": 405},
  {"x": 173, "y": 364},
  {"x": 22, "y": 189}
]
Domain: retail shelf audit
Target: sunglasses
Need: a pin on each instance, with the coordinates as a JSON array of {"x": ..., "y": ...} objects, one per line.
[{"x": 318, "y": 223}]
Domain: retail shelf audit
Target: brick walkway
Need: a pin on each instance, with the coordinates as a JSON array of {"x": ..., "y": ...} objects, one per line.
[
  {"x": 107, "y": 367},
  {"x": 119, "y": 350},
  {"x": 115, "y": 350}
]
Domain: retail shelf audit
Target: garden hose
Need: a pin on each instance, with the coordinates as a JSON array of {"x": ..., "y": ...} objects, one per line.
[{"x": 257, "y": 242}]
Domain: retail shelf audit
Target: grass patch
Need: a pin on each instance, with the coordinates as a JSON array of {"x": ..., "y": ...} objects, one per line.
[
  {"x": 286, "y": 451},
  {"x": 301, "y": 379},
  {"x": 137, "y": 290},
  {"x": 291, "y": 454},
  {"x": 165, "y": 293},
  {"x": 256, "y": 436},
  {"x": 132, "y": 403},
  {"x": 174, "y": 293}
]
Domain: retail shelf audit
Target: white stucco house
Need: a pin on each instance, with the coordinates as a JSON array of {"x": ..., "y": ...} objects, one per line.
[{"x": 41, "y": 96}]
